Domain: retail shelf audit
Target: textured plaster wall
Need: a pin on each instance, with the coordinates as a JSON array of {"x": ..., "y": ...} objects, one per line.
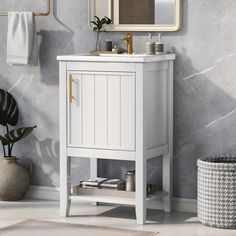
[{"x": 204, "y": 88}]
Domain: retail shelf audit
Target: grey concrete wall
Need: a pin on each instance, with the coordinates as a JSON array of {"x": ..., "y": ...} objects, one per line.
[{"x": 204, "y": 88}]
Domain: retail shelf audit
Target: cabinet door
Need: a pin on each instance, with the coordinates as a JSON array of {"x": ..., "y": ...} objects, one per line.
[{"x": 101, "y": 110}]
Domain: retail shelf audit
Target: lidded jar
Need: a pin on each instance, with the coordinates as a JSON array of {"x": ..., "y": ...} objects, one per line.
[
  {"x": 150, "y": 45},
  {"x": 159, "y": 46},
  {"x": 130, "y": 181}
]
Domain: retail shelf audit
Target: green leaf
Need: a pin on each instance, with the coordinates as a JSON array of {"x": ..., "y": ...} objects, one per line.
[
  {"x": 16, "y": 135},
  {"x": 9, "y": 112},
  {"x": 99, "y": 23},
  {"x": 103, "y": 20},
  {"x": 3, "y": 139},
  {"x": 98, "y": 19},
  {"x": 108, "y": 20},
  {"x": 93, "y": 22},
  {"x": 99, "y": 28}
]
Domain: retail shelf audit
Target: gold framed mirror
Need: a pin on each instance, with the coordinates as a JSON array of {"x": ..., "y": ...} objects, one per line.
[{"x": 139, "y": 15}]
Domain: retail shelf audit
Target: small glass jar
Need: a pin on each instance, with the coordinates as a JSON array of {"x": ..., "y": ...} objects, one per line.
[
  {"x": 150, "y": 48},
  {"x": 130, "y": 181},
  {"x": 159, "y": 46},
  {"x": 150, "y": 45},
  {"x": 108, "y": 45}
]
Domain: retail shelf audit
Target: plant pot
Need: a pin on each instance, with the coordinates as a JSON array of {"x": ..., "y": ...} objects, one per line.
[{"x": 14, "y": 179}]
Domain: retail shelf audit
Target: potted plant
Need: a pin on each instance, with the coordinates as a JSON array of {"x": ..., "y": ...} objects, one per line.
[
  {"x": 99, "y": 26},
  {"x": 14, "y": 178}
]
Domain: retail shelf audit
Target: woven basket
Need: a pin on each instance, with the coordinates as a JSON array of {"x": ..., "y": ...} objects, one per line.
[{"x": 217, "y": 191}]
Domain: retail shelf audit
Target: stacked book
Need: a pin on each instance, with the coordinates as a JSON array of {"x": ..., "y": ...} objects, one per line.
[
  {"x": 113, "y": 184},
  {"x": 93, "y": 182}
]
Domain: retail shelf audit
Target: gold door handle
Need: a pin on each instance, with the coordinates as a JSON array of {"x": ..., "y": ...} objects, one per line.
[{"x": 71, "y": 97}]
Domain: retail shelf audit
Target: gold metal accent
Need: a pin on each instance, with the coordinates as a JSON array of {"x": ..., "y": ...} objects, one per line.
[
  {"x": 71, "y": 97},
  {"x": 35, "y": 13},
  {"x": 129, "y": 40}
]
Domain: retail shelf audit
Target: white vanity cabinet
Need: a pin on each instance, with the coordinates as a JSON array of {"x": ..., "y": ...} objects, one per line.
[{"x": 121, "y": 108}]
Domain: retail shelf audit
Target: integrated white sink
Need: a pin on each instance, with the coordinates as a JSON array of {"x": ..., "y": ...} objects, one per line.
[
  {"x": 124, "y": 55},
  {"x": 117, "y": 57}
]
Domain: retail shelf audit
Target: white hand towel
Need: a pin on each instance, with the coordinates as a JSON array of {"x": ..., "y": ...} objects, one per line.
[{"x": 22, "y": 45}]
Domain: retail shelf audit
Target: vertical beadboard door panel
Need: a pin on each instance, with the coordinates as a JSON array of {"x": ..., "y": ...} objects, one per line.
[
  {"x": 102, "y": 115},
  {"x": 74, "y": 110},
  {"x": 127, "y": 115},
  {"x": 101, "y": 137},
  {"x": 88, "y": 109},
  {"x": 114, "y": 108}
]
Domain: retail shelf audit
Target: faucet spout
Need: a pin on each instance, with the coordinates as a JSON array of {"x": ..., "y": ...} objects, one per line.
[{"x": 129, "y": 39}]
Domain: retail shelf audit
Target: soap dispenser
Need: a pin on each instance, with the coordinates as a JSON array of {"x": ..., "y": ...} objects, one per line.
[
  {"x": 159, "y": 46},
  {"x": 150, "y": 45}
]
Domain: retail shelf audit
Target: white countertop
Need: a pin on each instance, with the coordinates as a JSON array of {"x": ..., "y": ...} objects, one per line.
[{"x": 142, "y": 58}]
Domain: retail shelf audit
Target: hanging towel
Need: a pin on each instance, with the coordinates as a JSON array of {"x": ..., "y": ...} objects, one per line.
[{"x": 22, "y": 45}]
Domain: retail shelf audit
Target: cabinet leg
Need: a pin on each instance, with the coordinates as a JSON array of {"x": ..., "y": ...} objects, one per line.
[
  {"x": 65, "y": 185},
  {"x": 93, "y": 173},
  {"x": 65, "y": 208},
  {"x": 167, "y": 182},
  {"x": 168, "y": 158},
  {"x": 141, "y": 213},
  {"x": 141, "y": 195}
]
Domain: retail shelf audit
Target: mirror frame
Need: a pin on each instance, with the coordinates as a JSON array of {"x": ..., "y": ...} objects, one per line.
[{"x": 139, "y": 27}]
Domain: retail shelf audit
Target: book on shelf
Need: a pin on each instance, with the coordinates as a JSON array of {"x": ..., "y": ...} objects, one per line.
[
  {"x": 93, "y": 182},
  {"x": 117, "y": 184},
  {"x": 78, "y": 190}
]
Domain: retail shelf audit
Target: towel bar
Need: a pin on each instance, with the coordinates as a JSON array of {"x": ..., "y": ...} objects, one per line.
[{"x": 35, "y": 13}]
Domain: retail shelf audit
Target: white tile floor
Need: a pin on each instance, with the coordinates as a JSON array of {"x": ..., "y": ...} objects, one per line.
[{"x": 175, "y": 224}]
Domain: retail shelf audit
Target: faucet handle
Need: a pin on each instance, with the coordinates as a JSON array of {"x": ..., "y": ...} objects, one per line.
[{"x": 127, "y": 37}]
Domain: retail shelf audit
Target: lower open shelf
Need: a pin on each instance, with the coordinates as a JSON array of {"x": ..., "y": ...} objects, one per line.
[
  {"x": 104, "y": 199},
  {"x": 115, "y": 200}
]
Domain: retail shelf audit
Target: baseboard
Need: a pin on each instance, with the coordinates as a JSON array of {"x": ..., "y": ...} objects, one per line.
[
  {"x": 43, "y": 193},
  {"x": 52, "y": 193},
  {"x": 185, "y": 205}
]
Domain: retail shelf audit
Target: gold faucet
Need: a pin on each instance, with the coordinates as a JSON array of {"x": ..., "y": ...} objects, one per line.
[{"x": 129, "y": 40}]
